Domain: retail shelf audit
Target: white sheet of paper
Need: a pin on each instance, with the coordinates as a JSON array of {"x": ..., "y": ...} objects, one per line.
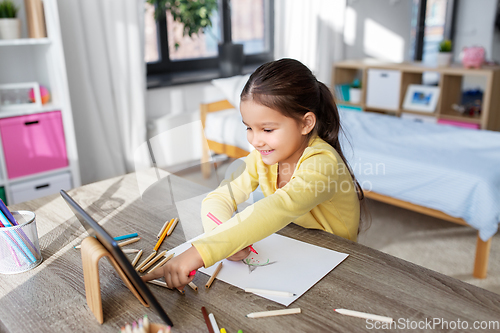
[{"x": 283, "y": 264}]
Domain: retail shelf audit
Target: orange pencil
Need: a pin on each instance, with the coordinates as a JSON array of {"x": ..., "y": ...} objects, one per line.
[{"x": 162, "y": 237}]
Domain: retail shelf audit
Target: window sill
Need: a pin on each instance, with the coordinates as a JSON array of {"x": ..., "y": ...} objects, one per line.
[{"x": 198, "y": 76}]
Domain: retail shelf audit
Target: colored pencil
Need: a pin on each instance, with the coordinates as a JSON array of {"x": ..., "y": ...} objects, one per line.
[
  {"x": 172, "y": 227},
  {"x": 152, "y": 261},
  {"x": 130, "y": 250},
  {"x": 145, "y": 261},
  {"x": 363, "y": 315},
  {"x": 212, "y": 278},
  {"x": 159, "y": 283},
  {"x": 273, "y": 313},
  {"x": 193, "y": 286},
  {"x": 136, "y": 259},
  {"x": 130, "y": 241},
  {"x": 161, "y": 263},
  {"x": 213, "y": 322},
  {"x": 126, "y": 236},
  {"x": 223, "y": 330},
  {"x": 207, "y": 320},
  {"x": 145, "y": 323},
  {"x": 162, "y": 237},
  {"x": 17, "y": 239},
  {"x": 216, "y": 220},
  {"x": 163, "y": 228},
  {"x": 270, "y": 292},
  {"x": 7, "y": 213}
]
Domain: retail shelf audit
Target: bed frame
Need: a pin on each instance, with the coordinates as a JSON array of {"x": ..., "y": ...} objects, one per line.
[{"x": 482, "y": 247}]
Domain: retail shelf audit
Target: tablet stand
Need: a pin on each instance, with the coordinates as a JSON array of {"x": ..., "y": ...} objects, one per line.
[{"x": 92, "y": 252}]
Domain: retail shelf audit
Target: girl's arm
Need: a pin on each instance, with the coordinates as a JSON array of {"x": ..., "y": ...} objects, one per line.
[
  {"x": 312, "y": 184},
  {"x": 222, "y": 202}
]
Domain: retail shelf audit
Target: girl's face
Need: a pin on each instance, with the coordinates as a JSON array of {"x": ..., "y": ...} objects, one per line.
[{"x": 279, "y": 139}]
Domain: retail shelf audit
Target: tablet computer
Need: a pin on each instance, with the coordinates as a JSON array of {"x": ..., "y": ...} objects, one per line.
[{"x": 94, "y": 229}]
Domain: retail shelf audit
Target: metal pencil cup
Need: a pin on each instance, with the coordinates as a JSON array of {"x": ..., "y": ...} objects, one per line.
[{"x": 19, "y": 247}]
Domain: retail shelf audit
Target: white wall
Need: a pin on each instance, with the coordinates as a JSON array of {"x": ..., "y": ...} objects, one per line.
[
  {"x": 475, "y": 26},
  {"x": 180, "y": 99},
  {"x": 378, "y": 29}
]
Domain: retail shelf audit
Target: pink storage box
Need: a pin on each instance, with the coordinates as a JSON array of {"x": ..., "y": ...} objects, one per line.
[
  {"x": 33, "y": 143},
  {"x": 458, "y": 123}
]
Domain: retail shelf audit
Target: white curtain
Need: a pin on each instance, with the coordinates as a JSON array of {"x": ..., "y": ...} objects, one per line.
[
  {"x": 311, "y": 32},
  {"x": 104, "y": 52}
]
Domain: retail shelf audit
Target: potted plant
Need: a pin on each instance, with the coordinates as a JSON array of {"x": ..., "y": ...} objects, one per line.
[
  {"x": 445, "y": 54},
  {"x": 196, "y": 16},
  {"x": 355, "y": 92},
  {"x": 10, "y": 25}
]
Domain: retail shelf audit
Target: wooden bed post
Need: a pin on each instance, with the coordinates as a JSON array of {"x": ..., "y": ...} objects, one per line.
[{"x": 482, "y": 256}]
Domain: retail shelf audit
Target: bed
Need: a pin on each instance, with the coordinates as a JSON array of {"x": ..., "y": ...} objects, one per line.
[{"x": 443, "y": 171}]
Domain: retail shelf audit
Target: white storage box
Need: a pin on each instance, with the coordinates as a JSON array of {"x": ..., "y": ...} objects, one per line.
[
  {"x": 382, "y": 89},
  {"x": 33, "y": 189}
]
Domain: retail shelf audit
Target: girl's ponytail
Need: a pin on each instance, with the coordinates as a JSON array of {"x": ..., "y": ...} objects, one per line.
[{"x": 328, "y": 127}]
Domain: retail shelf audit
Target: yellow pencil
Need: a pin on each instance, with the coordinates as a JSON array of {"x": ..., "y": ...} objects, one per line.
[
  {"x": 212, "y": 278},
  {"x": 163, "y": 235},
  {"x": 171, "y": 228},
  {"x": 152, "y": 261}
]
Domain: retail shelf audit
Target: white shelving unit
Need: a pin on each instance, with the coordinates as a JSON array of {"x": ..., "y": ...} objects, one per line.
[{"x": 39, "y": 60}]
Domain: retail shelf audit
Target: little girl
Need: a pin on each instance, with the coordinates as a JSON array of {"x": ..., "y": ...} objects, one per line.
[{"x": 293, "y": 123}]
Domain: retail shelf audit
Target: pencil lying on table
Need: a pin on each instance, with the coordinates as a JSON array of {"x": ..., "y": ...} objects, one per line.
[
  {"x": 161, "y": 263},
  {"x": 146, "y": 261},
  {"x": 163, "y": 228},
  {"x": 363, "y": 315},
  {"x": 273, "y": 313},
  {"x": 152, "y": 261},
  {"x": 212, "y": 278},
  {"x": 130, "y": 241},
  {"x": 136, "y": 259}
]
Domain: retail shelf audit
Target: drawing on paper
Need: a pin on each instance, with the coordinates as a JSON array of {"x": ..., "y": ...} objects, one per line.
[{"x": 253, "y": 263}]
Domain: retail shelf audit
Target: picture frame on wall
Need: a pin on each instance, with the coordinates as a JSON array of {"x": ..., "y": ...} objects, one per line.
[
  {"x": 421, "y": 98},
  {"x": 16, "y": 96}
]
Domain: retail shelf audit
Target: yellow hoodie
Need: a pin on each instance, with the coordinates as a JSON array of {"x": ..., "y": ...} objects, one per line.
[{"x": 320, "y": 195}]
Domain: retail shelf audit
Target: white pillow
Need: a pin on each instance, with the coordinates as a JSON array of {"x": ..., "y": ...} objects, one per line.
[{"x": 232, "y": 87}]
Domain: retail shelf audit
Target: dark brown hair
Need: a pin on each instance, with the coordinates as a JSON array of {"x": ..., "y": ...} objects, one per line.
[{"x": 288, "y": 86}]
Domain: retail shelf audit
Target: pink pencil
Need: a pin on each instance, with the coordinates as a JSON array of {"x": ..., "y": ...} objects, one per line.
[{"x": 216, "y": 220}]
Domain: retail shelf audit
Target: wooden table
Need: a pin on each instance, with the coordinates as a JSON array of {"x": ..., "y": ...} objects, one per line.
[{"x": 51, "y": 297}]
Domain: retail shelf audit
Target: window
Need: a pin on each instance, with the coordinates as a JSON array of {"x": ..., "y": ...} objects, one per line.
[
  {"x": 169, "y": 53},
  {"x": 432, "y": 22}
]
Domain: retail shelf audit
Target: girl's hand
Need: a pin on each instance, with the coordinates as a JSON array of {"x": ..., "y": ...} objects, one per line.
[
  {"x": 240, "y": 255},
  {"x": 176, "y": 270}
]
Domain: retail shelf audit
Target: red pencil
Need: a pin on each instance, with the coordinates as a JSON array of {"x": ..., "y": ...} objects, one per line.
[
  {"x": 216, "y": 220},
  {"x": 207, "y": 320}
]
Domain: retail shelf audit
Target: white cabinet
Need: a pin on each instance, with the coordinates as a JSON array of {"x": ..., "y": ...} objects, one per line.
[
  {"x": 382, "y": 90},
  {"x": 38, "y": 60}
]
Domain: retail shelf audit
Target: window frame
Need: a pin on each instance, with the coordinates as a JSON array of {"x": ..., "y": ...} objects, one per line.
[
  {"x": 449, "y": 26},
  {"x": 167, "y": 67}
]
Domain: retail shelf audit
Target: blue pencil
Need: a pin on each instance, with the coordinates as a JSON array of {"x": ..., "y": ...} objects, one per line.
[
  {"x": 17, "y": 239},
  {"x": 12, "y": 220},
  {"x": 126, "y": 236},
  {"x": 7, "y": 213},
  {"x": 10, "y": 217}
]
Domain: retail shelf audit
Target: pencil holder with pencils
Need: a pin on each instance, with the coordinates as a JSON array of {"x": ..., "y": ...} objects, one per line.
[{"x": 19, "y": 247}]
